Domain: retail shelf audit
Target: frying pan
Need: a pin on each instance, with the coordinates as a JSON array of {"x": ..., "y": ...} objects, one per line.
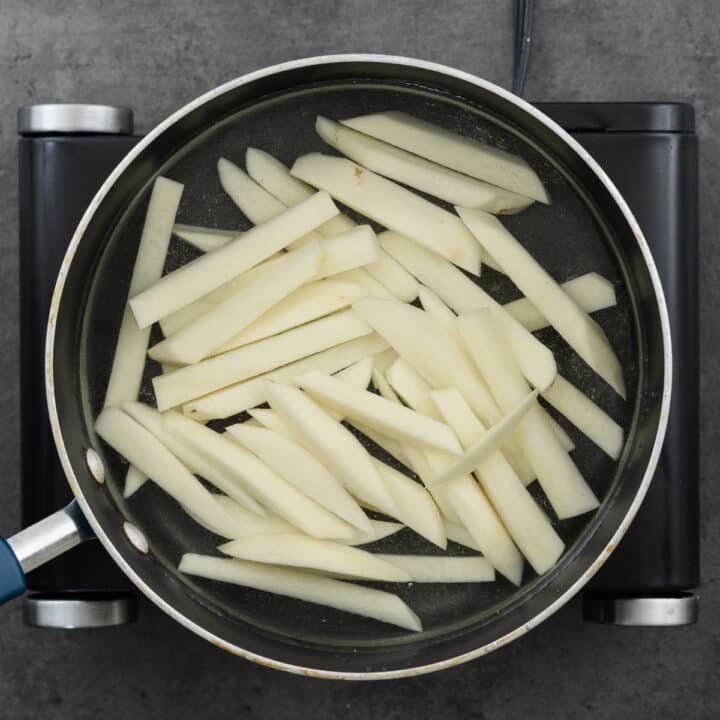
[{"x": 588, "y": 227}]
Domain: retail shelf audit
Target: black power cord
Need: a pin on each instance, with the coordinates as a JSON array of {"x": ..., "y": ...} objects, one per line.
[{"x": 523, "y": 38}]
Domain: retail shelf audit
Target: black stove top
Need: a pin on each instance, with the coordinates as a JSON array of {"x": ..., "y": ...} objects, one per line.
[{"x": 648, "y": 149}]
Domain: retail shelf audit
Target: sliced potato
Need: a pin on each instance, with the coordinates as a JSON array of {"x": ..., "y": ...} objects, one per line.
[
  {"x": 591, "y": 292},
  {"x": 244, "y": 395},
  {"x": 357, "y": 375},
  {"x": 255, "y": 203},
  {"x": 440, "y": 569},
  {"x": 459, "y": 534},
  {"x": 210, "y": 271},
  {"x": 352, "y": 249},
  {"x": 579, "y": 330},
  {"x": 454, "y": 151},
  {"x": 303, "y": 470},
  {"x": 586, "y": 416},
  {"x": 196, "y": 462},
  {"x": 565, "y": 440},
  {"x": 362, "y": 278},
  {"x": 134, "y": 480},
  {"x": 394, "y": 277},
  {"x": 334, "y": 445},
  {"x": 380, "y": 530},
  {"x": 151, "y": 457},
  {"x": 387, "y": 417},
  {"x": 417, "y": 172},
  {"x": 310, "y": 587},
  {"x": 218, "y": 372},
  {"x": 383, "y": 360},
  {"x": 210, "y": 331},
  {"x": 559, "y": 477},
  {"x": 390, "y": 446},
  {"x": 462, "y": 294},
  {"x": 411, "y": 387},
  {"x": 297, "y": 550},
  {"x": 204, "y": 239},
  {"x": 391, "y": 205},
  {"x": 433, "y": 305}
]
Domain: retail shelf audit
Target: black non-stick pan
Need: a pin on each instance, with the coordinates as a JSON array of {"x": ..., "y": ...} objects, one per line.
[{"x": 587, "y": 228}]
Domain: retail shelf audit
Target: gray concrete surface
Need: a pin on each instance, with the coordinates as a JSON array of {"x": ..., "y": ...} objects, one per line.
[{"x": 153, "y": 57}]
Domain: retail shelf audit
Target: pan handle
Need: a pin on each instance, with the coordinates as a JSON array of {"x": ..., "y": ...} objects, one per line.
[{"x": 38, "y": 544}]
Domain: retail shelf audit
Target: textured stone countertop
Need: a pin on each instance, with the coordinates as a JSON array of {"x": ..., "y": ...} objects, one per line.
[{"x": 155, "y": 56}]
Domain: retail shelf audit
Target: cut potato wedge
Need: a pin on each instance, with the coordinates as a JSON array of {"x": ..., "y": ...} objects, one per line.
[
  {"x": 526, "y": 522},
  {"x": 390, "y": 446},
  {"x": 462, "y": 294},
  {"x": 411, "y": 387},
  {"x": 151, "y": 457},
  {"x": 134, "y": 480},
  {"x": 210, "y": 271},
  {"x": 334, "y": 445},
  {"x": 383, "y": 360},
  {"x": 454, "y": 151},
  {"x": 218, "y": 372},
  {"x": 248, "y": 523},
  {"x": 565, "y": 440},
  {"x": 579, "y": 330},
  {"x": 417, "y": 172},
  {"x": 391, "y": 205},
  {"x": 491, "y": 441},
  {"x": 297, "y": 550},
  {"x": 310, "y": 587},
  {"x": 244, "y": 395},
  {"x": 348, "y": 251},
  {"x": 433, "y": 305},
  {"x": 303, "y": 470},
  {"x": 362, "y": 278},
  {"x": 357, "y": 375},
  {"x": 380, "y": 530},
  {"x": 438, "y": 569},
  {"x": 559, "y": 477},
  {"x": 386, "y": 417},
  {"x": 458, "y": 534},
  {"x": 198, "y": 463},
  {"x": 210, "y": 331},
  {"x": 592, "y": 292},
  {"x": 394, "y": 277},
  {"x": 203, "y": 238},
  {"x": 586, "y": 416}
]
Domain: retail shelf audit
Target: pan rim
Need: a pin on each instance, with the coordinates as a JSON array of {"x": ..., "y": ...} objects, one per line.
[{"x": 389, "y": 60}]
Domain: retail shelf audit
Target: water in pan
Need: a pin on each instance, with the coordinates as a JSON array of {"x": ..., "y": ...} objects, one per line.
[{"x": 565, "y": 237}]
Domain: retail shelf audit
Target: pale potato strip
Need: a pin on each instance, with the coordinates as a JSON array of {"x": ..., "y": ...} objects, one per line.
[
  {"x": 441, "y": 569},
  {"x": 362, "y": 278},
  {"x": 458, "y": 534},
  {"x": 310, "y": 587},
  {"x": 394, "y": 277},
  {"x": 204, "y": 239},
  {"x": 565, "y": 440},
  {"x": 412, "y": 388},
  {"x": 383, "y": 360}
]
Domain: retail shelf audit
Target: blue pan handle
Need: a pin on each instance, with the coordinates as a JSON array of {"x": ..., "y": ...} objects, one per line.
[{"x": 38, "y": 544}]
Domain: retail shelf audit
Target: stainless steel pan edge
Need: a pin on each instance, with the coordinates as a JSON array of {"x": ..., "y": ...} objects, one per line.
[{"x": 97, "y": 526}]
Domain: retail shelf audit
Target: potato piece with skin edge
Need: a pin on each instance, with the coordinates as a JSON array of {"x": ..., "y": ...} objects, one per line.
[
  {"x": 566, "y": 489},
  {"x": 447, "y": 148},
  {"x": 245, "y": 395},
  {"x": 303, "y": 470},
  {"x": 417, "y": 172},
  {"x": 438, "y": 569},
  {"x": 334, "y": 445},
  {"x": 155, "y": 423},
  {"x": 204, "y": 239},
  {"x": 592, "y": 292},
  {"x": 385, "y": 416},
  {"x": 212, "y": 270},
  {"x": 392, "y": 206},
  {"x": 576, "y": 327},
  {"x": 218, "y": 372},
  {"x": 586, "y": 415},
  {"x": 297, "y": 550},
  {"x": 139, "y": 447},
  {"x": 461, "y": 294},
  {"x": 346, "y": 596},
  {"x": 210, "y": 331},
  {"x": 529, "y": 527}
]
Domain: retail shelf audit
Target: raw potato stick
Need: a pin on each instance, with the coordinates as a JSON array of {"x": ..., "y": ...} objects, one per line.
[
  {"x": 565, "y": 440},
  {"x": 461, "y": 294},
  {"x": 439, "y": 569},
  {"x": 310, "y": 587},
  {"x": 210, "y": 331},
  {"x": 383, "y": 360},
  {"x": 586, "y": 416},
  {"x": 334, "y": 445},
  {"x": 417, "y": 172},
  {"x": 134, "y": 480},
  {"x": 353, "y": 249},
  {"x": 203, "y": 238},
  {"x": 362, "y": 278},
  {"x": 454, "y": 151},
  {"x": 526, "y": 522},
  {"x": 303, "y": 470},
  {"x": 390, "y": 446},
  {"x": 150, "y": 456},
  {"x": 155, "y": 423},
  {"x": 244, "y": 395},
  {"x": 458, "y": 534},
  {"x": 386, "y": 417},
  {"x": 390, "y": 273},
  {"x": 392, "y": 206},
  {"x": 411, "y": 387},
  {"x": 592, "y": 292},
  {"x": 560, "y": 479},
  {"x": 218, "y": 372},
  {"x": 210, "y": 271},
  {"x": 296, "y": 550},
  {"x": 578, "y": 329}
]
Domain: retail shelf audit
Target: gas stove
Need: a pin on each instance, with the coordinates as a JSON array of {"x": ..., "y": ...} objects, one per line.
[{"x": 650, "y": 152}]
